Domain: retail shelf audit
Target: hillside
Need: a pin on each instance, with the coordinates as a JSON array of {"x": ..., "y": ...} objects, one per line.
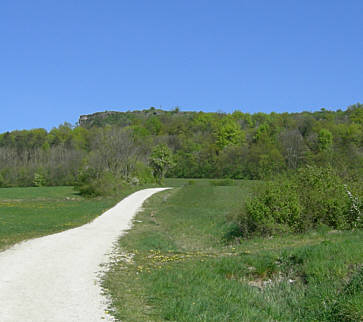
[{"x": 204, "y": 145}]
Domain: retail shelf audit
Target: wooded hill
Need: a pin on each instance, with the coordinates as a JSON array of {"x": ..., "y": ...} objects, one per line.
[{"x": 204, "y": 145}]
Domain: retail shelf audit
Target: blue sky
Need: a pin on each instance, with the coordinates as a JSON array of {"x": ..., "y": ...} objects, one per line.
[{"x": 61, "y": 59}]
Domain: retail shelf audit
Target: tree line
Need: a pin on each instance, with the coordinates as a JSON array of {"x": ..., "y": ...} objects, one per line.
[{"x": 121, "y": 145}]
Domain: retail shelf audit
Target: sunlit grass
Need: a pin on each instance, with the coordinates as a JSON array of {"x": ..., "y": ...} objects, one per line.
[
  {"x": 176, "y": 265},
  {"x": 33, "y": 212}
]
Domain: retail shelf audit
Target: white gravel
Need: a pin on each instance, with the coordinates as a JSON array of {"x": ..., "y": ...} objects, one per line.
[{"x": 55, "y": 278}]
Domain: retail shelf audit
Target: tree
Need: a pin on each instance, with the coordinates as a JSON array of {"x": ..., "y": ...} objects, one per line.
[
  {"x": 293, "y": 147},
  {"x": 229, "y": 134},
  {"x": 161, "y": 159},
  {"x": 154, "y": 125},
  {"x": 114, "y": 150},
  {"x": 325, "y": 140},
  {"x": 39, "y": 180}
]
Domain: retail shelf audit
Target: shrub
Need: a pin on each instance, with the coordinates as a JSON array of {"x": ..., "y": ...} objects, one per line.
[
  {"x": 143, "y": 173},
  {"x": 4, "y": 177},
  {"x": 323, "y": 197},
  {"x": 277, "y": 209},
  {"x": 312, "y": 197},
  {"x": 39, "y": 180},
  {"x": 24, "y": 177},
  {"x": 92, "y": 184},
  {"x": 161, "y": 159}
]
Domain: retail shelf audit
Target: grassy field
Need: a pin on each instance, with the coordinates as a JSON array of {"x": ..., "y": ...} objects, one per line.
[
  {"x": 38, "y": 211},
  {"x": 32, "y": 212},
  {"x": 175, "y": 265}
]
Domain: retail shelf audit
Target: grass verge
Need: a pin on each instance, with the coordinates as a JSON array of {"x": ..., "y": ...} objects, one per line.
[
  {"x": 38, "y": 211},
  {"x": 175, "y": 266}
]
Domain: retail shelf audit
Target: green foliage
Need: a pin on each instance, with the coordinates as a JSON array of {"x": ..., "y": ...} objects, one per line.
[
  {"x": 275, "y": 211},
  {"x": 264, "y": 161},
  {"x": 229, "y": 134},
  {"x": 91, "y": 183},
  {"x": 324, "y": 198},
  {"x": 153, "y": 125},
  {"x": 311, "y": 198},
  {"x": 161, "y": 159},
  {"x": 86, "y": 183},
  {"x": 270, "y": 163},
  {"x": 143, "y": 173},
  {"x": 263, "y": 134},
  {"x": 356, "y": 113},
  {"x": 325, "y": 140},
  {"x": 39, "y": 180},
  {"x": 140, "y": 131},
  {"x": 204, "y": 145}
]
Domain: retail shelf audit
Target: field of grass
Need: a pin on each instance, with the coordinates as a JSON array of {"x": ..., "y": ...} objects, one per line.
[
  {"x": 38, "y": 211},
  {"x": 175, "y": 265}
]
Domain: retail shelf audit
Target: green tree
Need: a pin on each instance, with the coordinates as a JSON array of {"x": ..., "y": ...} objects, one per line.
[
  {"x": 229, "y": 134},
  {"x": 153, "y": 125},
  {"x": 39, "y": 180},
  {"x": 325, "y": 140},
  {"x": 161, "y": 159},
  {"x": 355, "y": 113}
]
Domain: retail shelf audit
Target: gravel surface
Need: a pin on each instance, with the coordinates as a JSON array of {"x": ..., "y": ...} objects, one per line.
[{"x": 56, "y": 277}]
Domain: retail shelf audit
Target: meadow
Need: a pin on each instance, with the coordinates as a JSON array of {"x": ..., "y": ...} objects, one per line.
[
  {"x": 30, "y": 212},
  {"x": 176, "y": 264},
  {"x": 38, "y": 211}
]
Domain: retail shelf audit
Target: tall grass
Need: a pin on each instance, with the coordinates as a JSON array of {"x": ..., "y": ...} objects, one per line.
[{"x": 176, "y": 266}]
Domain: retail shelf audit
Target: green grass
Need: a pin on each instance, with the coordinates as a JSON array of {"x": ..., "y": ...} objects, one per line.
[
  {"x": 177, "y": 267},
  {"x": 37, "y": 211}
]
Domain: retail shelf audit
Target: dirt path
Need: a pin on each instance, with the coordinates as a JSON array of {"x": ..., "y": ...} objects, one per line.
[{"x": 54, "y": 278}]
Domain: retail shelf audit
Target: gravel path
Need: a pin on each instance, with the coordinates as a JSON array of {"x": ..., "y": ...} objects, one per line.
[{"x": 54, "y": 278}]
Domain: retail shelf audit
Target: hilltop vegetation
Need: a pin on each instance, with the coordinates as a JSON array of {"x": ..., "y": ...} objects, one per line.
[{"x": 204, "y": 145}]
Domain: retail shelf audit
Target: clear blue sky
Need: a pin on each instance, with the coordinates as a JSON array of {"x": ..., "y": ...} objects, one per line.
[{"x": 60, "y": 59}]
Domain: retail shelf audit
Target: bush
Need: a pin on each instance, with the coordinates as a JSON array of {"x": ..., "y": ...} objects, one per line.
[
  {"x": 39, "y": 180},
  {"x": 92, "y": 184},
  {"x": 277, "y": 209},
  {"x": 313, "y": 197},
  {"x": 324, "y": 198},
  {"x": 161, "y": 160},
  {"x": 143, "y": 173}
]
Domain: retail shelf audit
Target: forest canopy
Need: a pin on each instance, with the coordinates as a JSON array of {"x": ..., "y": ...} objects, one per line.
[{"x": 203, "y": 145}]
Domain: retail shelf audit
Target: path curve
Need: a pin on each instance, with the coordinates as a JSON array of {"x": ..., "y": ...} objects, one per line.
[{"x": 54, "y": 278}]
